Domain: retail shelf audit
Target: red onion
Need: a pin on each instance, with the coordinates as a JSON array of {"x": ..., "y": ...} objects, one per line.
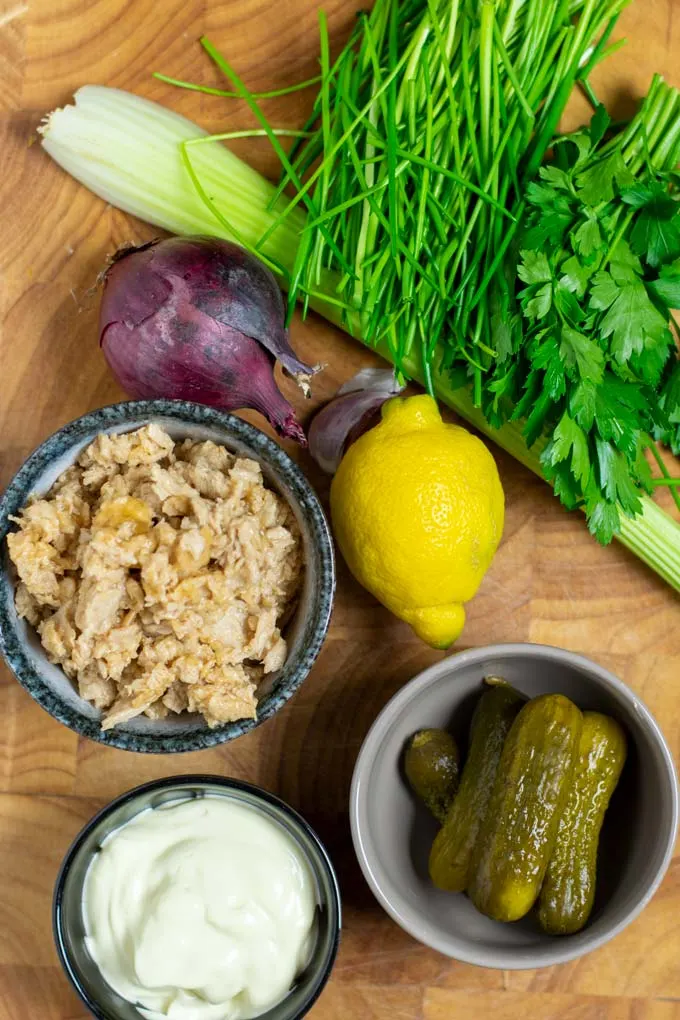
[
  {"x": 196, "y": 318},
  {"x": 354, "y": 409}
]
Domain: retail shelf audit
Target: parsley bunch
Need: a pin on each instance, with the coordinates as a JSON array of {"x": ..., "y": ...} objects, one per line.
[{"x": 586, "y": 353}]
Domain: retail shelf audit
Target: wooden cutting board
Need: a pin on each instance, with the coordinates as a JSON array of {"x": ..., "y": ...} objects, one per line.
[{"x": 549, "y": 583}]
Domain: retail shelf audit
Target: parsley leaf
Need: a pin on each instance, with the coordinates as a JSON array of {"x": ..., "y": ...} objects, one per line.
[
  {"x": 582, "y": 403},
  {"x": 582, "y": 357},
  {"x": 535, "y": 422},
  {"x": 639, "y": 195},
  {"x": 544, "y": 197},
  {"x": 604, "y": 290},
  {"x": 550, "y": 216},
  {"x": 656, "y": 234},
  {"x": 532, "y": 390},
  {"x": 669, "y": 431},
  {"x": 588, "y": 239},
  {"x": 630, "y": 320},
  {"x": 503, "y": 326},
  {"x": 556, "y": 177},
  {"x": 565, "y": 486},
  {"x": 567, "y": 305},
  {"x": 624, "y": 265},
  {"x": 599, "y": 123},
  {"x": 539, "y": 305},
  {"x": 670, "y": 394},
  {"x": 534, "y": 267},
  {"x": 569, "y": 440},
  {"x": 545, "y": 354},
  {"x": 649, "y": 364},
  {"x": 667, "y": 286},
  {"x": 581, "y": 142},
  {"x": 596, "y": 184},
  {"x": 619, "y": 413},
  {"x": 575, "y": 276},
  {"x": 615, "y": 477},
  {"x": 603, "y": 520}
]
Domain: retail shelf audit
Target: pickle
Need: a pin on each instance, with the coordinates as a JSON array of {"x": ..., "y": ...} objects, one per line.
[
  {"x": 431, "y": 765},
  {"x": 569, "y": 887},
  {"x": 452, "y": 848},
  {"x": 517, "y": 836}
]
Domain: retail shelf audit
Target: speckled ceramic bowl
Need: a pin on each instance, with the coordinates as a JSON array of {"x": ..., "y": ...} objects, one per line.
[
  {"x": 69, "y": 923},
  {"x": 305, "y": 633}
]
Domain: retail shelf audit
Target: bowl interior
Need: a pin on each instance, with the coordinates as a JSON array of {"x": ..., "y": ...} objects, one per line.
[
  {"x": 393, "y": 833},
  {"x": 304, "y": 632},
  {"x": 68, "y": 914}
]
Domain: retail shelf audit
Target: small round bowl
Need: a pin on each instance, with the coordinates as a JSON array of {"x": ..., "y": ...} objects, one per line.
[
  {"x": 305, "y": 632},
  {"x": 69, "y": 927},
  {"x": 393, "y": 834}
]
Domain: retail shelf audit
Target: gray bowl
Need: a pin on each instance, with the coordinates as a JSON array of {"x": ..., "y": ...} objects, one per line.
[
  {"x": 305, "y": 633},
  {"x": 68, "y": 922},
  {"x": 393, "y": 834}
]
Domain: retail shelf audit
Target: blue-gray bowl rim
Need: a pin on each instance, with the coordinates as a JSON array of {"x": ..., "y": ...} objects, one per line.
[
  {"x": 179, "y": 782},
  {"x": 264, "y": 448}
]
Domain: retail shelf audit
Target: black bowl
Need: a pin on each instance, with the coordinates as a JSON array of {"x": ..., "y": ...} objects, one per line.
[{"x": 68, "y": 921}]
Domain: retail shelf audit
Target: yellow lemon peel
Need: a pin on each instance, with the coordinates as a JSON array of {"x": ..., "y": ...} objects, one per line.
[{"x": 417, "y": 509}]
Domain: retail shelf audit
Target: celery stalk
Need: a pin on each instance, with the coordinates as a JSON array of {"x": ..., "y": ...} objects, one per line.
[{"x": 127, "y": 150}]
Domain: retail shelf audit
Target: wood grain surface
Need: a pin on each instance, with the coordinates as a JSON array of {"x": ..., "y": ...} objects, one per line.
[{"x": 549, "y": 582}]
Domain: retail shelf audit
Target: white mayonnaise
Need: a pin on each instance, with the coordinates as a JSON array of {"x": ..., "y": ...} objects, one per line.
[{"x": 201, "y": 910}]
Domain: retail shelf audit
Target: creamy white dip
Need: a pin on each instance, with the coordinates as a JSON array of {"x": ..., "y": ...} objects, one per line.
[{"x": 202, "y": 910}]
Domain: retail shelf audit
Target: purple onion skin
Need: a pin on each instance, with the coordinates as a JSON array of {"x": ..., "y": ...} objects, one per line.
[{"x": 199, "y": 319}]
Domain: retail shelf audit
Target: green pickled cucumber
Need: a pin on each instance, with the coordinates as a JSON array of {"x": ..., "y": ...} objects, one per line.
[
  {"x": 452, "y": 848},
  {"x": 568, "y": 889},
  {"x": 431, "y": 764},
  {"x": 517, "y": 837}
]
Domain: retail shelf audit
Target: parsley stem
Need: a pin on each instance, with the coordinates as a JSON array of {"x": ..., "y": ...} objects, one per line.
[
  {"x": 618, "y": 236},
  {"x": 666, "y": 480}
]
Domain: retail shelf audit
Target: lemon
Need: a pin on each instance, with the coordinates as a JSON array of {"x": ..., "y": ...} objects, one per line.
[{"x": 417, "y": 509}]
